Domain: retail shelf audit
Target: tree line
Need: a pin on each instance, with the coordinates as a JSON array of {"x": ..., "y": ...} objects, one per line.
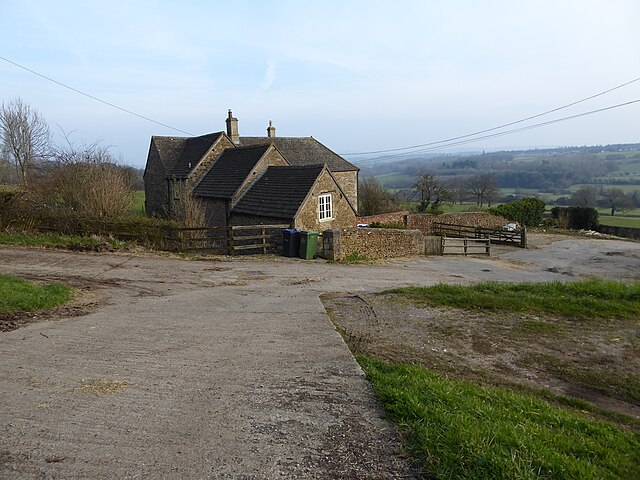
[{"x": 430, "y": 192}]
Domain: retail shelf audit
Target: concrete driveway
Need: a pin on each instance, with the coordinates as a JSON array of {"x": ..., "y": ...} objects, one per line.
[{"x": 224, "y": 369}]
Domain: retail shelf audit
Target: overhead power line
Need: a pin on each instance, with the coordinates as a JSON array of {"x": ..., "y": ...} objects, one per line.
[
  {"x": 95, "y": 98},
  {"x": 430, "y": 146},
  {"x": 499, "y": 134},
  {"x": 479, "y": 132}
]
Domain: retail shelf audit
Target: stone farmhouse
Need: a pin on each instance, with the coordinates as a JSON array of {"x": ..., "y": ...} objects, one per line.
[{"x": 252, "y": 180}]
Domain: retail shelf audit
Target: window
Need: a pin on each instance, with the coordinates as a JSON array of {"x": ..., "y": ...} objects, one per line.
[{"x": 325, "y": 209}]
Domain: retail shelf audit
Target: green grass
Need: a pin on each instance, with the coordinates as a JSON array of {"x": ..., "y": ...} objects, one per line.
[
  {"x": 17, "y": 294},
  {"x": 137, "y": 207},
  {"x": 395, "y": 178},
  {"x": 622, "y": 386},
  {"x": 457, "y": 430},
  {"x": 579, "y": 300},
  {"x": 55, "y": 240},
  {"x": 626, "y": 188},
  {"x": 619, "y": 221}
]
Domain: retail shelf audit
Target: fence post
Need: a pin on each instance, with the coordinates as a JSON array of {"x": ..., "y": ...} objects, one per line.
[
  {"x": 230, "y": 240},
  {"x": 264, "y": 240},
  {"x": 523, "y": 237}
]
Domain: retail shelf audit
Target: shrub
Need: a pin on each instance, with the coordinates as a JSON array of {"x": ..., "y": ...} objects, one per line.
[
  {"x": 585, "y": 218},
  {"x": 527, "y": 212}
]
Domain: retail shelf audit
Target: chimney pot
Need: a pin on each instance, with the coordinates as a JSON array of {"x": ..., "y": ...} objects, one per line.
[
  {"x": 271, "y": 130},
  {"x": 232, "y": 128}
]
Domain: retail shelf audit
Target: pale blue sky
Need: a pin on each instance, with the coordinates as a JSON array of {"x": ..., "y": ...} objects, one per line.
[{"x": 357, "y": 75}]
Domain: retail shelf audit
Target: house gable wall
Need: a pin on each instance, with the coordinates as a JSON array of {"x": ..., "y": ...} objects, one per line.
[
  {"x": 348, "y": 181},
  {"x": 308, "y": 214},
  {"x": 155, "y": 185}
]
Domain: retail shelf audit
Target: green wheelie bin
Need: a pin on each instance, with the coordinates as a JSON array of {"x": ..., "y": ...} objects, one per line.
[{"x": 308, "y": 244}]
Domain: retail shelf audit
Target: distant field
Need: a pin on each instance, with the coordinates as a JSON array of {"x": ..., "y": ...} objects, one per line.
[
  {"x": 137, "y": 207},
  {"x": 624, "y": 188},
  {"x": 620, "y": 221},
  {"x": 395, "y": 179}
]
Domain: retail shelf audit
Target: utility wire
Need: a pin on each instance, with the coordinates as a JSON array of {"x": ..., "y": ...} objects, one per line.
[
  {"x": 95, "y": 98},
  {"x": 499, "y": 134},
  {"x": 499, "y": 126},
  {"x": 441, "y": 143}
]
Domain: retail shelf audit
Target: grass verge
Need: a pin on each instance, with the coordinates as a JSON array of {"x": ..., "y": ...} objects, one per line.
[
  {"x": 578, "y": 300},
  {"x": 55, "y": 240},
  {"x": 459, "y": 430},
  {"x": 18, "y": 295},
  {"x": 620, "y": 221}
]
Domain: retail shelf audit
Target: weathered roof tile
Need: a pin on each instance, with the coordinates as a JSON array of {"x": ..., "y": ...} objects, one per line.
[{"x": 279, "y": 192}]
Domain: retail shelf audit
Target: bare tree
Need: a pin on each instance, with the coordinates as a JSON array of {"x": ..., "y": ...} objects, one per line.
[
  {"x": 187, "y": 210},
  {"x": 459, "y": 187},
  {"x": 585, "y": 196},
  {"x": 484, "y": 188},
  {"x": 617, "y": 200},
  {"x": 431, "y": 191},
  {"x": 373, "y": 198},
  {"x": 26, "y": 136}
]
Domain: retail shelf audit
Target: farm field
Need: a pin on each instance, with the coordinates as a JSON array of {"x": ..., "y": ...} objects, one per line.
[
  {"x": 137, "y": 207},
  {"x": 509, "y": 364},
  {"x": 620, "y": 221}
]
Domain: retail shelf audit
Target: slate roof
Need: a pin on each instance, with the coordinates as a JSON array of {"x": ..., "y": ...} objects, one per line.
[
  {"x": 279, "y": 192},
  {"x": 229, "y": 171},
  {"x": 180, "y": 155},
  {"x": 304, "y": 151}
]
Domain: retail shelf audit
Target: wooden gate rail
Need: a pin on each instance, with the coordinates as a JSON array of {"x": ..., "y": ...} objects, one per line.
[
  {"x": 466, "y": 246},
  {"x": 224, "y": 240},
  {"x": 512, "y": 237}
]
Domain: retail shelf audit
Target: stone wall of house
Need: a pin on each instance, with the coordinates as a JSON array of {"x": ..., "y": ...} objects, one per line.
[
  {"x": 215, "y": 211},
  {"x": 308, "y": 215},
  {"x": 372, "y": 243},
  {"x": 348, "y": 182},
  {"x": 155, "y": 186},
  {"x": 392, "y": 217}
]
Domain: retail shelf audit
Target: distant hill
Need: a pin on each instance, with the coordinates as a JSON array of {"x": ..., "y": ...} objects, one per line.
[{"x": 555, "y": 171}]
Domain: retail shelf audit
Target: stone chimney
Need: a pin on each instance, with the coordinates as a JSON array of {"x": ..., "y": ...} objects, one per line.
[
  {"x": 232, "y": 128},
  {"x": 271, "y": 130}
]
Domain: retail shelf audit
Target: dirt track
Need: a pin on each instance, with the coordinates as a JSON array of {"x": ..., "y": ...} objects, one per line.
[{"x": 222, "y": 368}]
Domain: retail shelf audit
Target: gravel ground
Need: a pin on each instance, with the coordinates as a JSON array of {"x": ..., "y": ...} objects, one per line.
[{"x": 223, "y": 368}]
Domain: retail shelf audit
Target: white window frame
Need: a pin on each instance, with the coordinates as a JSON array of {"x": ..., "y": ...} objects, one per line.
[{"x": 325, "y": 207}]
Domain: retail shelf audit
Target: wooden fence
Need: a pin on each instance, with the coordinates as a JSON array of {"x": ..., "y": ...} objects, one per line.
[
  {"x": 216, "y": 240},
  {"x": 466, "y": 246},
  {"x": 224, "y": 240},
  {"x": 512, "y": 237}
]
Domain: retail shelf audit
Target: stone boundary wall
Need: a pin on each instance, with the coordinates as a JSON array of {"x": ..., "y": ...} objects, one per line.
[
  {"x": 425, "y": 221},
  {"x": 372, "y": 243},
  {"x": 392, "y": 217},
  {"x": 422, "y": 221},
  {"x": 473, "y": 219},
  {"x": 626, "y": 232}
]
